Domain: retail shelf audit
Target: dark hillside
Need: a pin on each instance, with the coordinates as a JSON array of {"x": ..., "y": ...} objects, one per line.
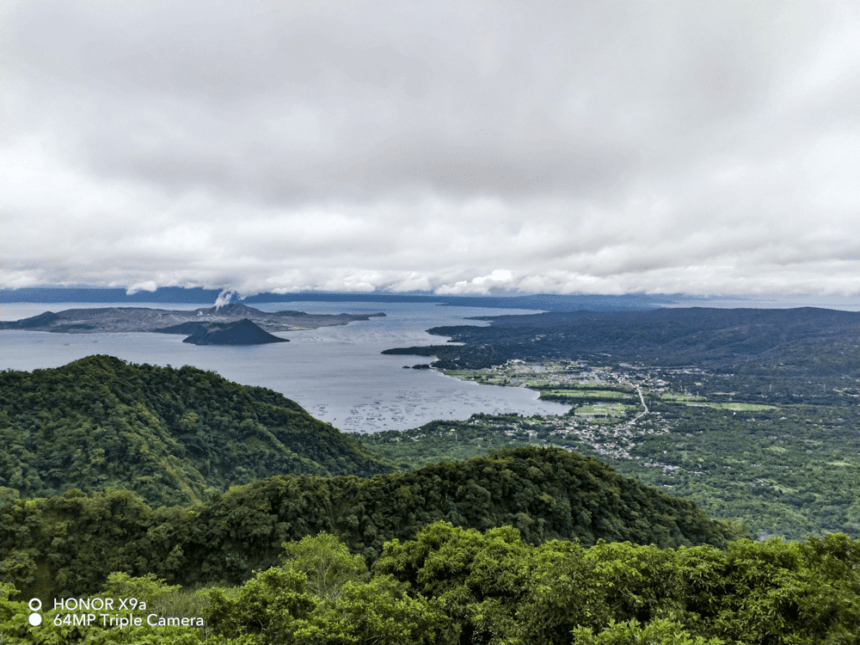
[
  {"x": 173, "y": 436},
  {"x": 787, "y": 355}
]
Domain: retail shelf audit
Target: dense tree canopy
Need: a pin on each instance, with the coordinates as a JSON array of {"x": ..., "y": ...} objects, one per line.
[
  {"x": 68, "y": 545},
  {"x": 455, "y": 586}
]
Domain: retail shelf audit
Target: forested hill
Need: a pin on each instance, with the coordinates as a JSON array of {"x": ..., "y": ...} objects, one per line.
[
  {"x": 173, "y": 436},
  {"x": 789, "y": 355},
  {"x": 545, "y": 493}
]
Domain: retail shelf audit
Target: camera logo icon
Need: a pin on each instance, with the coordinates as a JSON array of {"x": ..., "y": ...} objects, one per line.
[{"x": 35, "y": 607}]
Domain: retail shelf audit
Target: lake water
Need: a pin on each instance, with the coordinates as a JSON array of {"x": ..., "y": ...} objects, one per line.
[{"x": 338, "y": 374}]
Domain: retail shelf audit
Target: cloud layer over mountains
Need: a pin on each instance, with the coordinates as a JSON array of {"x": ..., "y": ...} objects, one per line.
[{"x": 602, "y": 147}]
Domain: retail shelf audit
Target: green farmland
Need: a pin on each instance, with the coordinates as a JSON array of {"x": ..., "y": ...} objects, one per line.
[{"x": 587, "y": 394}]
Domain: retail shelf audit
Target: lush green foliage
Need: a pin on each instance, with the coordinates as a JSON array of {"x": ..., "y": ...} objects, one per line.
[
  {"x": 496, "y": 589},
  {"x": 69, "y": 544},
  {"x": 281, "y": 605},
  {"x": 173, "y": 436},
  {"x": 456, "y": 586},
  {"x": 659, "y": 632}
]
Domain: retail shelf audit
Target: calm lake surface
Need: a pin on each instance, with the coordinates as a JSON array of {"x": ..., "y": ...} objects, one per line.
[{"x": 338, "y": 374}]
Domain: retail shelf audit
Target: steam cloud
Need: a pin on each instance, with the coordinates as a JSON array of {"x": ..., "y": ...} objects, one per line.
[{"x": 224, "y": 298}]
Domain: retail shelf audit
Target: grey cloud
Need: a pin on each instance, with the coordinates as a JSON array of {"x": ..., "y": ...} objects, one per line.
[{"x": 562, "y": 146}]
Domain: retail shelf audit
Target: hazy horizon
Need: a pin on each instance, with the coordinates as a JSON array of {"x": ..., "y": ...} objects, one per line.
[{"x": 167, "y": 298}]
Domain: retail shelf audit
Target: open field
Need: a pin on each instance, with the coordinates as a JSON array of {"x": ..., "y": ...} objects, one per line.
[
  {"x": 586, "y": 394},
  {"x": 681, "y": 398},
  {"x": 735, "y": 407},
  {"x": 613, "y": 410}
]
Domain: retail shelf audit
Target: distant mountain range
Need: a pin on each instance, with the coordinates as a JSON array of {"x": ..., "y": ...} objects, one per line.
[
  {"x": 233, "y": 324},
  {"x": 544, "y": 302},
  {"x": 497, "y": 300}
]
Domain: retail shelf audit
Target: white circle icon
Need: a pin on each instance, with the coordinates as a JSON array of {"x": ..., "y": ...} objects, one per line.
[{"x": 35, "y": 605}]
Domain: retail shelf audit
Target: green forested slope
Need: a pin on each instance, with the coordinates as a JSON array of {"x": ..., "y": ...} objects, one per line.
[
  {"x": 70, "y": 544},
  {"x": 173, "y": 436}
]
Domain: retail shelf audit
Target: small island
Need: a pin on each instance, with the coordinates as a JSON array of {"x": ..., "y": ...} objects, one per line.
[{"x": 242, "y": 332}]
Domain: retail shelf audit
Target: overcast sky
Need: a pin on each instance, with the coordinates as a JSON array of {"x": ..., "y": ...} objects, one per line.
[{"x": 462, "y": 147}]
